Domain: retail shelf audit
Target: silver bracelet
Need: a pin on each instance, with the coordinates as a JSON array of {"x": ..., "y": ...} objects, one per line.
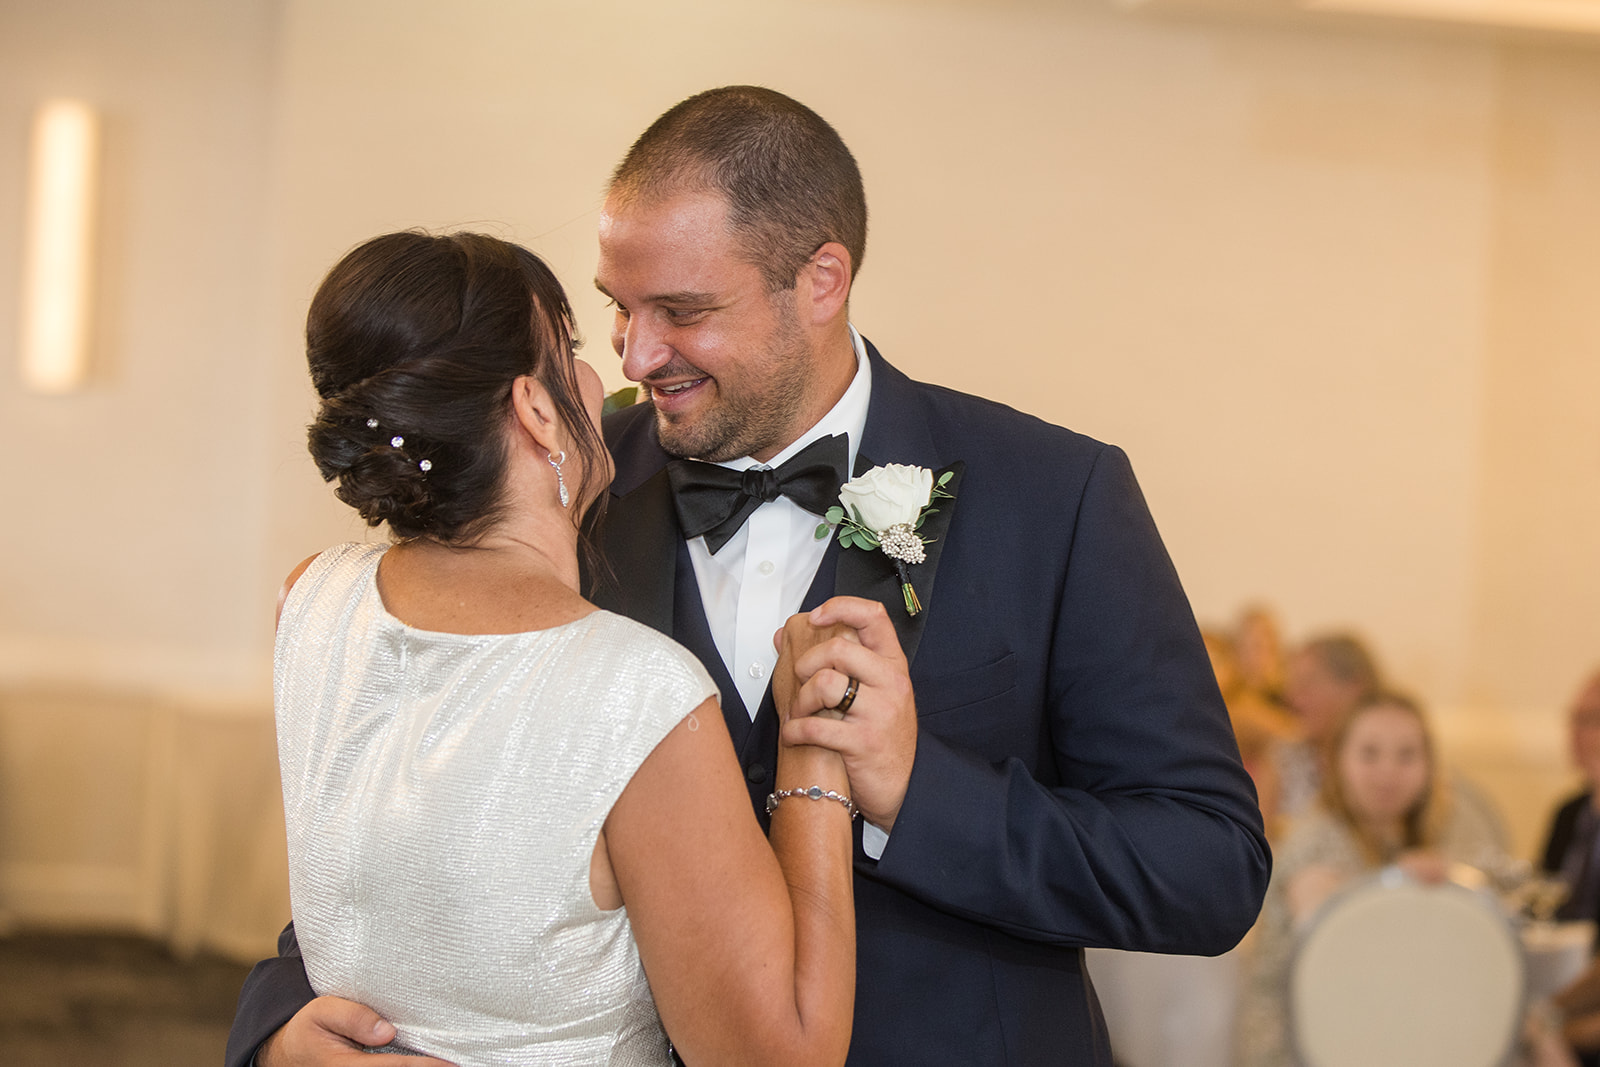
[{"x": 815, "y": 792}]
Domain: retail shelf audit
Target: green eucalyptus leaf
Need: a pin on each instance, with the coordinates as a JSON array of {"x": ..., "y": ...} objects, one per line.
[{"x": 622, "y": 398}]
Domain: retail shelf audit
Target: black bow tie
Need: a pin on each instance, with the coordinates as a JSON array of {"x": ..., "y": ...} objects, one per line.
[{"x": 715, "y": 501}]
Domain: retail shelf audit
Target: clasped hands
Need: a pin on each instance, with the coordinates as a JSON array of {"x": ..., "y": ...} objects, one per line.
[{"x": 819, "y": 654}]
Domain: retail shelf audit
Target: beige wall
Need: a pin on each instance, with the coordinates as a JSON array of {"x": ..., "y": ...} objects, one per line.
[
  {"x": 1328, "y": 287},
  {"x": 135, "y": 521}
]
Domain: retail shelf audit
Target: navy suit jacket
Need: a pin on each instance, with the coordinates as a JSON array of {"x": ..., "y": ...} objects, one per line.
[{"x": 1076, "y": 782}]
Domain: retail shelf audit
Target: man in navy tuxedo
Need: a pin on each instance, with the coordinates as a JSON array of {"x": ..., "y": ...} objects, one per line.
[{"x": 1040, "y": 754}]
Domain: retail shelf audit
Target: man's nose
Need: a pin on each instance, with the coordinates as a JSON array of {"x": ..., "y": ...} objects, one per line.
[{"x": 642, "y": 347}]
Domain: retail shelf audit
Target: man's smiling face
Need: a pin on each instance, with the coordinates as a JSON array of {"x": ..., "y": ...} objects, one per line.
[{"x": 727, "y": 364}]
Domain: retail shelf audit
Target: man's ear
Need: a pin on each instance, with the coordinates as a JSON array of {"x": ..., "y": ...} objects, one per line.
[
  {"x": 535, "y": 413},
  {"x": 824, "y": 284}
]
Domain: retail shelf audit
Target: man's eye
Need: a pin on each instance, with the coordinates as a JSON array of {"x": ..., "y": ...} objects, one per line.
[
  {"x": 681, "y": 316},
  {"x": 618, "y": 308}
]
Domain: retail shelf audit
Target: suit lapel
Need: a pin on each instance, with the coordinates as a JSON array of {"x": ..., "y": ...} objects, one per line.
[
  {"x": 640, "y": 534},
  {"x": 898, "y": 432},
  {"x": 872, "y": 574}
]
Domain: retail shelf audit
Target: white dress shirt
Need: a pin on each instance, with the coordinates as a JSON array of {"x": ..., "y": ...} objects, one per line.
[{"x": 760, "y": 577}]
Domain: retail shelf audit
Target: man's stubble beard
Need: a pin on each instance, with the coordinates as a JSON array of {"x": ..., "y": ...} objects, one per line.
[{"x": 743, "y": 425}]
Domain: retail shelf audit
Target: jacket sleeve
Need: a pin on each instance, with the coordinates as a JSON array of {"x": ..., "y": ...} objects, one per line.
[
  {"x": 1133, "y": 825},
  {"x": 273, "y": 992}
]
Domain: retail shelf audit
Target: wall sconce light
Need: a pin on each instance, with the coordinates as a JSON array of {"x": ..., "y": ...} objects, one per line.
[{"x": 58, "y": 247}]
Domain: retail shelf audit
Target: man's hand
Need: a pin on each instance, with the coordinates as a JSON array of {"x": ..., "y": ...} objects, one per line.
[
  {"x": 878, "y": 734},
  {"x": 331, "y": 1032}
]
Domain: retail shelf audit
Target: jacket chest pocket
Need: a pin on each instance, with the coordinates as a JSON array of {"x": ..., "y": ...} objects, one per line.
[
  {"x": 977, "y": 709},
  {"x": 967, "y": 689}
]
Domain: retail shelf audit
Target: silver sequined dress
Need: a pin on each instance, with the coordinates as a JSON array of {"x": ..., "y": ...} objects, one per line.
[{"x": 443, "y": 795}]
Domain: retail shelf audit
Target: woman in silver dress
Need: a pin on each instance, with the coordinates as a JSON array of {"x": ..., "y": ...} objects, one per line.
[{"x": 517, "y": 827}]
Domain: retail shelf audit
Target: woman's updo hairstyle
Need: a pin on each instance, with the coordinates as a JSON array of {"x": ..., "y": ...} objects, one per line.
[{"x": 414, "y": 342}]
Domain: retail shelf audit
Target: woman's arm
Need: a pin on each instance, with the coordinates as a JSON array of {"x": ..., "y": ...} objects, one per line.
[{"x": 749, "y": 947}]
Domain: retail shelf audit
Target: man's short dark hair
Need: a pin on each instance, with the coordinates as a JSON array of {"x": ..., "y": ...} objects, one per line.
[{"x": 790, "y": 183}]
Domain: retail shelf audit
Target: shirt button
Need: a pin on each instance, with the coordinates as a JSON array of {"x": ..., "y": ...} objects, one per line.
[
  {"x": 757, "y": 671},
  {"x": 755, "y": 773},
  {"x": 766, "y": 567}
]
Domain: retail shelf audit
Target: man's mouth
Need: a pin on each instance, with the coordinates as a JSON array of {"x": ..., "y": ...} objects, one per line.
[{"x": 676, "y": 389}]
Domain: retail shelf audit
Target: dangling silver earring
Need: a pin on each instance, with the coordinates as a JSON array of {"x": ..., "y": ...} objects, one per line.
[{"x": 556, "y": 460}]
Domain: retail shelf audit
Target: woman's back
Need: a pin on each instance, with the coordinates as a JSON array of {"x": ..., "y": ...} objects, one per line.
[{"x": 444, "y": 794}]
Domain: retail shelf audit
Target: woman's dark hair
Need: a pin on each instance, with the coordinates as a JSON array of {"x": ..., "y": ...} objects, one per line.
[{"x": 414, "y": 341}]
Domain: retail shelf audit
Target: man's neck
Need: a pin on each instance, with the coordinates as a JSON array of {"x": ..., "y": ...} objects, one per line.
[
  {"x": 833, "y": 365},
  {"x": 846, "y": 410}
]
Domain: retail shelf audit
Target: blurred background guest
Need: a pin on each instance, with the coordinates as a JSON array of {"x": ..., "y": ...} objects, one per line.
[
  {"x": 1570, "y": 850},
  {"x": 1380, "y": 803},
  {"x": 1324, "y": 679},
  {"x": 1259, "y": 723},
  {"x": 1258, "y": 647}
]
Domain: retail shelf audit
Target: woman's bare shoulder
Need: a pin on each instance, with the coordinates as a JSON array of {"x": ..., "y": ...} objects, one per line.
[{"x": 288, "y": 583}]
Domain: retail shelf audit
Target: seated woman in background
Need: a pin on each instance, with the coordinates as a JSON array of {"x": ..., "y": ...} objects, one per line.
[
  {"x": 1380, "y": 804},
  {"x": 517, "y": 827}
]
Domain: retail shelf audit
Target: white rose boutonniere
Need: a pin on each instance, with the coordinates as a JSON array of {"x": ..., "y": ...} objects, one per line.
[{"x": 884, "y": 508}]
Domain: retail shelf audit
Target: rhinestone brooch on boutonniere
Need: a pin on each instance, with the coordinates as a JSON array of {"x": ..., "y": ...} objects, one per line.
[{"x": 883, "y": 509}]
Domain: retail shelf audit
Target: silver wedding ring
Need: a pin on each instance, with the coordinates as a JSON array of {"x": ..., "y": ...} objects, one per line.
[{"x": 848, "y": 698}]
